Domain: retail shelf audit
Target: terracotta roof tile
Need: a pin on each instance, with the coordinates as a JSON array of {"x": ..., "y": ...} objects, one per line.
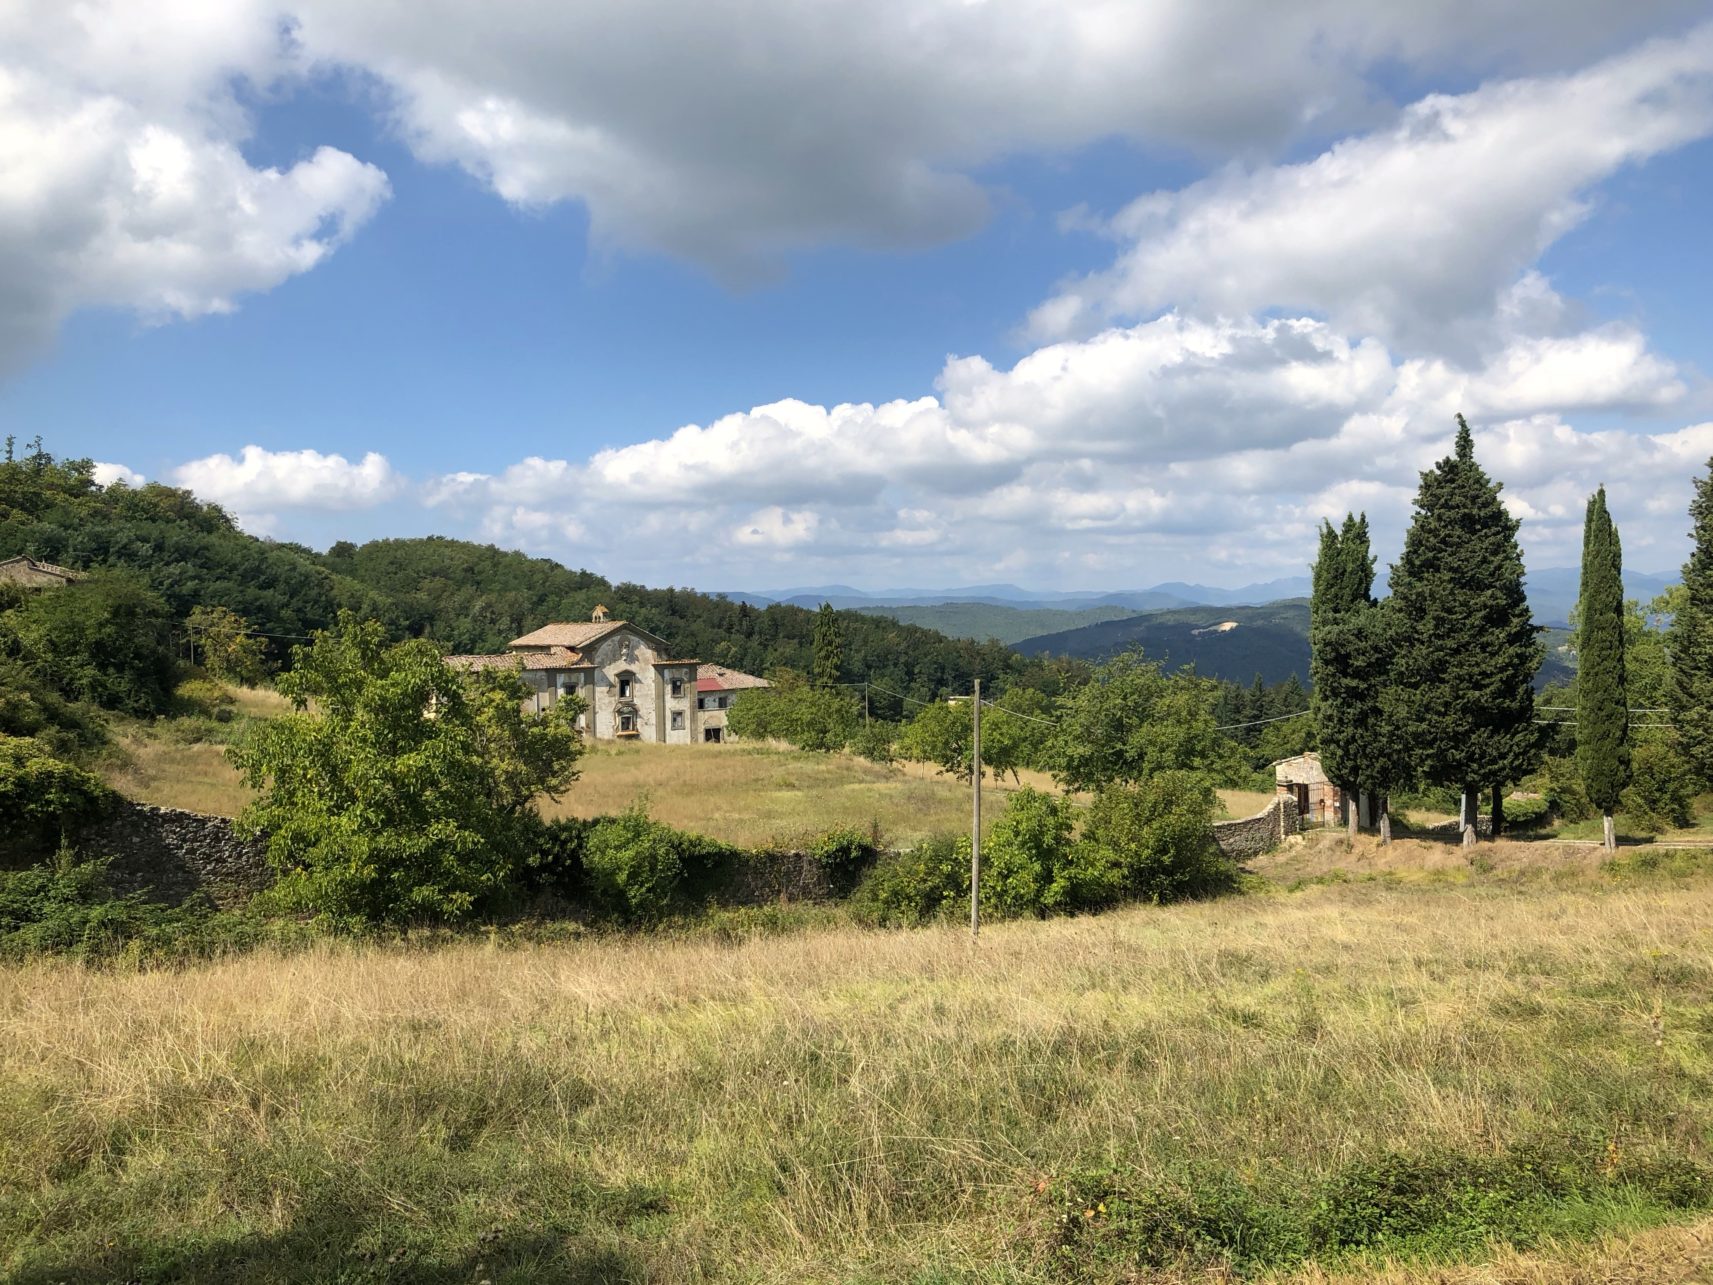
[
  {"x": 552, "y": 658},
  {"x": 717, "y": 678},
  {"x": 567, "y": 634}
]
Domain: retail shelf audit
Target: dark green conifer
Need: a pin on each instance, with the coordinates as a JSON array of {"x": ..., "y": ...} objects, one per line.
[
  {"x": 1602, "y": 695},
  {"x": 1350, "y": 666},
  {"x": 829, "y": 647},
  {"x": 1690, "y": 639},
  {"x": 1468, "y": 650}
]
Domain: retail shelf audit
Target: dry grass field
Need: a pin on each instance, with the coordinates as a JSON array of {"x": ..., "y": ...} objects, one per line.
[
  {"x": 754, "y": 795},
  {"x": 1152, "y": 1094}
]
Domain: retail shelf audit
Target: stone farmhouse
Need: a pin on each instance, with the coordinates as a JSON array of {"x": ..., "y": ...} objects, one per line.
[
  {"x": 632, "y": 687},
  {"x": 27, "y": 571}
]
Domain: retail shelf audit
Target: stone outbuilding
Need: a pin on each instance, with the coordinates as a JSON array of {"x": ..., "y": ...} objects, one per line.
[
  {"x": 716, "y": 686},
  {"x": 26, "y": 571},
  {"x": 1319, "y": 801}
]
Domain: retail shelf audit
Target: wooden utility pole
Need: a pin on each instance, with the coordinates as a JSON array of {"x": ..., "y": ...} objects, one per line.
[{"x": 975, "y": 828}]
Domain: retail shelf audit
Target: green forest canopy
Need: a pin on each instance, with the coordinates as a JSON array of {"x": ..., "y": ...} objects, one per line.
[{"x": 466, "y": 596}]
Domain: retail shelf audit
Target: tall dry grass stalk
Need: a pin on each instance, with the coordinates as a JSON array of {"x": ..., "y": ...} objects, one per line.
[{"x": 835, "y": 1105}]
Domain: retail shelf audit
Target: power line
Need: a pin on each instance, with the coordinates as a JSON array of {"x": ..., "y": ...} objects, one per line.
[
  {"x": 1278, "y": 718},
  {"x": 1571, "y": 709},
  {"x": 1033, "y": 718}
]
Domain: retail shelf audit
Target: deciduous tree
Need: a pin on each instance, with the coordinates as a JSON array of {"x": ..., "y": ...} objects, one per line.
[
  {"x": 399, "y": 789},
  {"x": 225, "y": 645},
  {"x": 1131, "y": 720}
]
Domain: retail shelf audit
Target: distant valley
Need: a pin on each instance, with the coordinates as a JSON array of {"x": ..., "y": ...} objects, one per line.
[
  {"x": 1233, "y": 643},
  {"x": 1266, "y": 629}
]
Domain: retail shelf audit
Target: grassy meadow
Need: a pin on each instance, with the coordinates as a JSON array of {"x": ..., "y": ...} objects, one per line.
[
  {"x": 752, "y": 795},
  {"x": 1369, "y": 1067}
]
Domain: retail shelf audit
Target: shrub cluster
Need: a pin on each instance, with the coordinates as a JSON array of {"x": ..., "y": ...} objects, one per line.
[
  {"x": 846, "y": 855},
  {"x": 42, "y": 798},
  {"x": 66, "y": 907},
  {"x": 1402, "y": 1205},
  {"x": 628, "y": 868},
  {"x": 1147, "y": 842}
]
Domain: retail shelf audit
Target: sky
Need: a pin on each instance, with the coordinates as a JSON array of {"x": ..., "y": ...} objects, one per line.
[{"x": 759, "y": 293}]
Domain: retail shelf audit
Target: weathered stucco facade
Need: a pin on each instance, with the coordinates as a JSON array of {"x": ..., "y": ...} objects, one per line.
[{"x": 716, "y": 688}]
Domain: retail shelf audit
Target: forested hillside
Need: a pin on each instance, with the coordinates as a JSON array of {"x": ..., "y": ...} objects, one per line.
[
  {"x": 470, "y": 597},
  {"x": 1272, "y": 641},
  {"x": 1009, "y": 624},
  {"x": 192, "y": 554}
]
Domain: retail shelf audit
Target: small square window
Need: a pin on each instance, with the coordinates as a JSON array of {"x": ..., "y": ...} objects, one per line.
[
  {"x": 677, "y": 686},
  {"x": 678, "y": 720}
]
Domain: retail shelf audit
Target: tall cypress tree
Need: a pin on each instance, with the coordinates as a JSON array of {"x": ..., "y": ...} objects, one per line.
[
  {"x": 1350, "y": 665},
  {"x": 1343, "y": 578},
  {"x": 1690, "y": 639},
  {"x": 829, "y": 647},
  {"x": 1468, "y": 650},
  {"x": 1602, "y": 696}
]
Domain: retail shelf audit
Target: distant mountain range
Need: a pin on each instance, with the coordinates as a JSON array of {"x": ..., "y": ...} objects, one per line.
[
  {"x": 1225, "y": 633},
  {"x": 1172, "y": 594},
  {"x": 1552, "y": 593}
]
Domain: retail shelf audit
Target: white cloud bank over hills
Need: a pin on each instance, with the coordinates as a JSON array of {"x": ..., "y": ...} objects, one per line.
[
  {"x": 1271, "y": 344},
  {"x": 1210, "y": 445},
  {"x": 1415, "y": 232}
]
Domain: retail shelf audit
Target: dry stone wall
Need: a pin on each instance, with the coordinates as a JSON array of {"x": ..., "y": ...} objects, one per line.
[
  {"x": 171, "y": 855},
  {"x": 1263, "y": 832}
]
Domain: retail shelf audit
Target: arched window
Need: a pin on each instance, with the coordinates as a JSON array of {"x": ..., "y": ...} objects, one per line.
[{"x": 627, "y": 685}]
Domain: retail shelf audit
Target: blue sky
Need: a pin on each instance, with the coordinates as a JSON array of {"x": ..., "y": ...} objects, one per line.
[{"x": 579, "y": 281}]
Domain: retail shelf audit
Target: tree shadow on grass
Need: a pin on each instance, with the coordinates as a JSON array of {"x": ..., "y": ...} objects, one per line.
[{"x": 335, "y": 1245}]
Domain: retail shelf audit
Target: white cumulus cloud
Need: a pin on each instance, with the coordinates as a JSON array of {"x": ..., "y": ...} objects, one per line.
[
  {"x": 733, "y": 131},
  {"x": 1413, "y": 232},
  {"x": 261, "y": 481},
  {"x": 107, "y": 474},
  {"x": 122, "y": 183}
]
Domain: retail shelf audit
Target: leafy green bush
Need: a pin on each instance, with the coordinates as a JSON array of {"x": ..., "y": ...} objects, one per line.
[
  {"x": 1662, "y": 788},
  {"x": 105, "y": 640},
  {"x": 1156, "y": 838},
  {"x": 66, "y": 907},
  {"x": 556, "y": 864},
  {"x": 1560, "y": 784},
  {"x": 42, "y": 799},
  {"x": 844, "y": 855},
  {"x": 638, "y": 871},
  {"x": 31, "y": 706},
  {"x": 1027, "y": 859},
  {"x": 927, "y": 882},
  {"x": 877, "y": 742},
  {"x": 811, "y": 718},
  {"x": 204, "y": 698},
  {"x": 1527, "y": 813},
  {"x": 373, "y": 810}
]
